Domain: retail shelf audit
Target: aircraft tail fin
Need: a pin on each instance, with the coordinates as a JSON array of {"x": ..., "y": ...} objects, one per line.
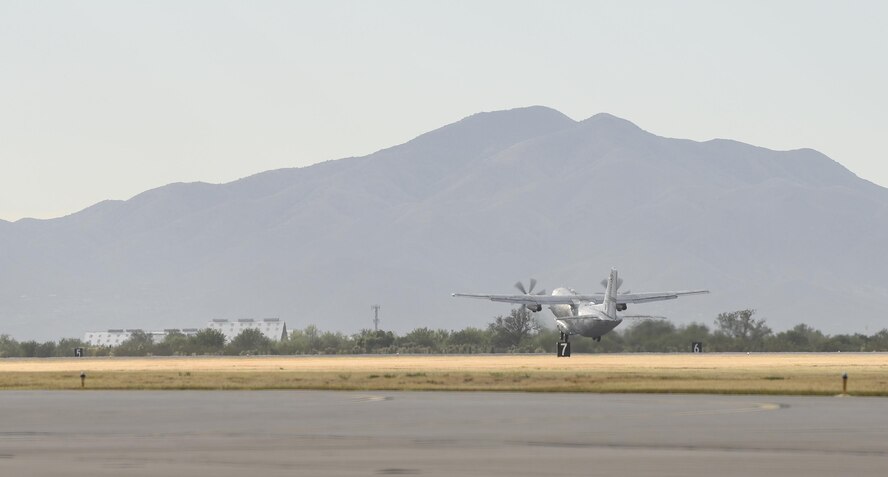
[{"x": 610, "y": 294}]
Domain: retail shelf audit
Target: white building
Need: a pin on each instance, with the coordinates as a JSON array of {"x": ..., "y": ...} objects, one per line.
[
  {"x": 273, "y": 328},
  {"x": 115, "y": 337},
  {"x": 107, "y": 338}
]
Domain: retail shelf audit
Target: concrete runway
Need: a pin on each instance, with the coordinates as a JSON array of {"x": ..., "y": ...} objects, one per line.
[{"x": 270, "y": 433}]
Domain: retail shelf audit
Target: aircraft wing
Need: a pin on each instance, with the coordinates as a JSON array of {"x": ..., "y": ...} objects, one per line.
[
  {"x": 642, "y": 297},
  {"x": 579, "y": 299},
  {"x": 525, "y": 299}
]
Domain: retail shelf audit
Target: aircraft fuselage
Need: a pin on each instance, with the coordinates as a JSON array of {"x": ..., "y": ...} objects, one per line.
[
  {"x": 584, "y": 318},
  {"x": 588, "y": 327}
]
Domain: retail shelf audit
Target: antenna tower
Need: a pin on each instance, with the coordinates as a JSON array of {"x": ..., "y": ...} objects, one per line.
[{"x": 375, "y": 309}]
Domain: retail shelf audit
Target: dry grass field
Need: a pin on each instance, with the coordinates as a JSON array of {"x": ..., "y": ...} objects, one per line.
[{"x": 758, "y": 373}]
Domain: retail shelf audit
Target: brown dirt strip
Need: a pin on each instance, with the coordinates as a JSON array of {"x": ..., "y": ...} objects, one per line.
[{"x": 782, "y": 373}]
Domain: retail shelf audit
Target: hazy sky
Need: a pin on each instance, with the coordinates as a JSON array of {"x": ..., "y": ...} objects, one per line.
[{"x": 104, "y": 100}]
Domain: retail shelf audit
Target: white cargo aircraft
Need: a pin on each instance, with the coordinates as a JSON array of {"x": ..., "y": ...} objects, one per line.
[{"x": 590, "y": 315}]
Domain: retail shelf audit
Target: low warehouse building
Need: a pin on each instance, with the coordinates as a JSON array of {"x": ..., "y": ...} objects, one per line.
[
  {"x": 273, "y": 328},
  {"x": 115, "y": 337}
]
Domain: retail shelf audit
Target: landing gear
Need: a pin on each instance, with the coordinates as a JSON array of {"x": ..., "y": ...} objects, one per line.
[
  {"x": 562, "y": 348},
  {"x": 597, "y": 338}
]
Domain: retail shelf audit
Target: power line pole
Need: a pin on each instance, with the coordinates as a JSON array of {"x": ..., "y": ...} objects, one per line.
[{"x": 375, "y": 309}]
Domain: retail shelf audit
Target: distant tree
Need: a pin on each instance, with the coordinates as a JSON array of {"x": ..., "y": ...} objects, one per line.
[
  {"x": 543, "y": 341},
  {"x": 518, "y": 332},
  {"x": 424, "y": 340},
  {"x": 509, "y": 332},
  {"x": 312, "y": 337},
  {"x": 651, "y": 336},
  {"x": 693, "y": 332},
  {"x": 373, "y": 341},
  {"x": 66, "y": 347},
  {"x": 174, "y": 343},
  {"x": 610, "y": 343},
  {"x": 687, "y": 334},
  {"x": 744, "y": 332},
  {"x": 138, "y": 344},
  {"x": 208, "y": 341},
  {"x": 9, "y": 347},
  {"x": 46, "y": 349},
  {"x": 800, "y": 338},
  {"x": 470, "y": 340},
  {"x": 877, "y": 342},
  {"x": 334, "y": 343},
  {"x": 250, "y": 341},
  {"x": 29, "y": 348},
  {"x": 310, "y": 340},
  {"x": 298, "y": 342},
  {"x": 855, "y": 342}
]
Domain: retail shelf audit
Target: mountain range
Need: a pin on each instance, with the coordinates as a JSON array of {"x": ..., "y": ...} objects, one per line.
[{"x": 473, "y": 206}]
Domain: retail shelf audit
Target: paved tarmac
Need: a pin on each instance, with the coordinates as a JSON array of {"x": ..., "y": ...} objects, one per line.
[{"x": 271, "y": 433}]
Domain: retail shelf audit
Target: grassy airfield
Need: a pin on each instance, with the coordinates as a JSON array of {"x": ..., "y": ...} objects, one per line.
[{"x": 757, "y": 373}]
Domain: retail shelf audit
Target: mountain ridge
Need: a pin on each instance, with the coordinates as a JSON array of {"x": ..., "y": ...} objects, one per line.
[{"x": 472, "y": 206}]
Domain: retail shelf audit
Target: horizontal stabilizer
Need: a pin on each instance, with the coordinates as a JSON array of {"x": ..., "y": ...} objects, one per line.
[
  {"x": 581, "y": 317},
  {"x": 642, "y": 317}
]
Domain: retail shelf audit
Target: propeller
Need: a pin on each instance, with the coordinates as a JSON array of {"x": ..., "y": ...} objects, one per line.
[
  {"x": 529, "y": 291},
  {"x": 619, "y": 284}
]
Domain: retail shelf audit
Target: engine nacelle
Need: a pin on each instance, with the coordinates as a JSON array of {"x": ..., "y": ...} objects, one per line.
[
  {"x": 621, "y": 307},
  {"x": 535, "y": 308}
]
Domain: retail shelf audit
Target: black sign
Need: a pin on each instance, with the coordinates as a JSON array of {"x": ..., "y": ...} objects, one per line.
[
  {"x": 78, "y": 352},
  {"x": 696, "y": 347},
  {"x": 563, "y": 348}
]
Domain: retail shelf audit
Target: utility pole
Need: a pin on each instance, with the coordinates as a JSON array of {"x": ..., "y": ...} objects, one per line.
[{"x": 375, "y": 309}]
